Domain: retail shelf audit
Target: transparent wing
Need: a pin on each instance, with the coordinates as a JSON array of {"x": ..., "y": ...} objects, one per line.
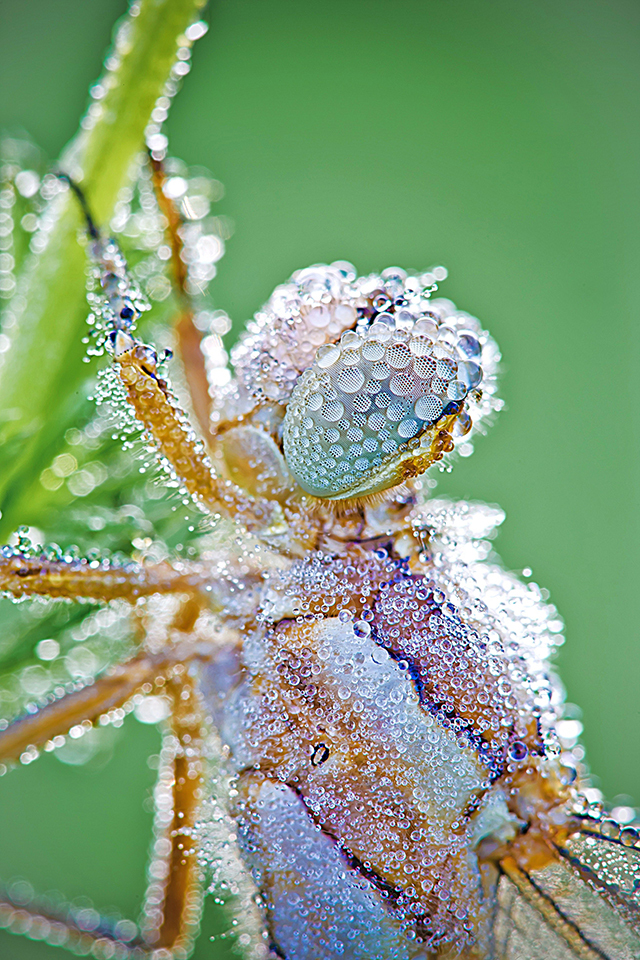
[
  {"x": 606, "y": 858},
  {"x": 521, "y": 931},
  {"x": 584, "y": 905}
]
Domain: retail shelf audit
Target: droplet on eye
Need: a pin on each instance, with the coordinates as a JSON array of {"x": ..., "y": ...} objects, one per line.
[
  {"x": 456, "y": 390},
  {"x": 350, "y": 380},
  {"x": 402, "y": 384},
  {"x": 350, "y": 357},
  {"x": 408, "y": 428},
  {"x": 445, "y": 369},
  {"x": 361, "y": 403},
  {"x": 468, "y": 346},
  {"x": 388, "y": 380},
  {"x": 381, "y": 331},
  {"x": 397, "y": 409},
  {"x": 420, "y": 346},
  {"x": 333, "y": 410},
  {"x": 398, "y": 356},
  {"x": 426, "y": 327},
  {"x": 380, "y": 371},
  {"x": 424, "y": 367},
  {"x": 327, "y": 356},
  {"x": 373, "y": 350},
  {"x": 470, "y": 373},
  {"x": 429, "y": 407}
]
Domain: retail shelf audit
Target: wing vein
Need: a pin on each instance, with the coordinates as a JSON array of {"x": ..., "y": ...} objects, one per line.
[{"x": 551, "y": 913}]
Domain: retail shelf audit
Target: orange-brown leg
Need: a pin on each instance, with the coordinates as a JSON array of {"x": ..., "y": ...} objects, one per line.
[
  {"x": 157, "y": 409},
  {"x": 189, "y": 339},
  {"x": 173, "y": 901},
  {"x": 174, "y": 896},
  {"x": 145, "y": 672},
  {"x": 109, "y": 692},
  {"x": 215, "y": 584},
  {"x": 23, "y": 576},
  {"x": 60, "y": 927},
  {"x": 174, "y": 223},
  {"x": 187, "y": 334}
]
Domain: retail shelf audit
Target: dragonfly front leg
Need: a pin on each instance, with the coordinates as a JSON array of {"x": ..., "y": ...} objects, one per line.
[
  {"x": 158, "y": 411},
  {"x": 151, "y": 398},
  {"x": 188, "y": 337}
]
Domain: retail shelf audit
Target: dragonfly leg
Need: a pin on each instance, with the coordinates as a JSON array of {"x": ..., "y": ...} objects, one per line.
[
  {"x": 221, "y": 582},
  {"x": 149, "y": 394},
  {"x": 157, "y": 409},
  {"x": 63, "y": 927},
  {"x": 173, "y": 900},
  {"x": 174, "y": 896},
  {"x": 107, "y": 693},
  {"x": 188, "y": 336},
  {"x": 25, "y": 576}
]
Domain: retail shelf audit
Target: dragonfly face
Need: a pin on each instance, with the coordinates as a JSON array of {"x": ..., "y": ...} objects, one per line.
[{"x": 375, "y": 687}]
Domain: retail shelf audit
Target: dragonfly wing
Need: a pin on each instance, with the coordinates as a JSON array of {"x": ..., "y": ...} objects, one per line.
[
  {"x": 584, "y": 905},
  {"x": 610, "y": 865},
  {"x": 520, "y": 930}
]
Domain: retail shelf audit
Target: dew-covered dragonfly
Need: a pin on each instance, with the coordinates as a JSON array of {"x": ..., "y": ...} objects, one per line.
[{"x": 362, "y": 751}]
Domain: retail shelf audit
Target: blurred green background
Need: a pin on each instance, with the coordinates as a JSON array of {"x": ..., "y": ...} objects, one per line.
[{"x": 499, "y": 138}]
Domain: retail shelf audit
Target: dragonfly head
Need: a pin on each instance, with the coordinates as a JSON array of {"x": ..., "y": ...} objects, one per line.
[
  {"x": 375, "y": 378},
  {"x": 392, "y": 394}
]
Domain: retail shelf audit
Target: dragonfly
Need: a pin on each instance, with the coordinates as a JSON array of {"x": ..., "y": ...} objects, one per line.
[
  {"x": 363, "y": 743},
  {"x": 361, "y": 717}
]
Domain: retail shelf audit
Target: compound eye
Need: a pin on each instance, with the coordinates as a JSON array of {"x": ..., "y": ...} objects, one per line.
[{"x": 369, "y": 411}]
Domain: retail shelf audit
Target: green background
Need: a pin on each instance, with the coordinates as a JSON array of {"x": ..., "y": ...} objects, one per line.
[{"x": 499, "y": 138}]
